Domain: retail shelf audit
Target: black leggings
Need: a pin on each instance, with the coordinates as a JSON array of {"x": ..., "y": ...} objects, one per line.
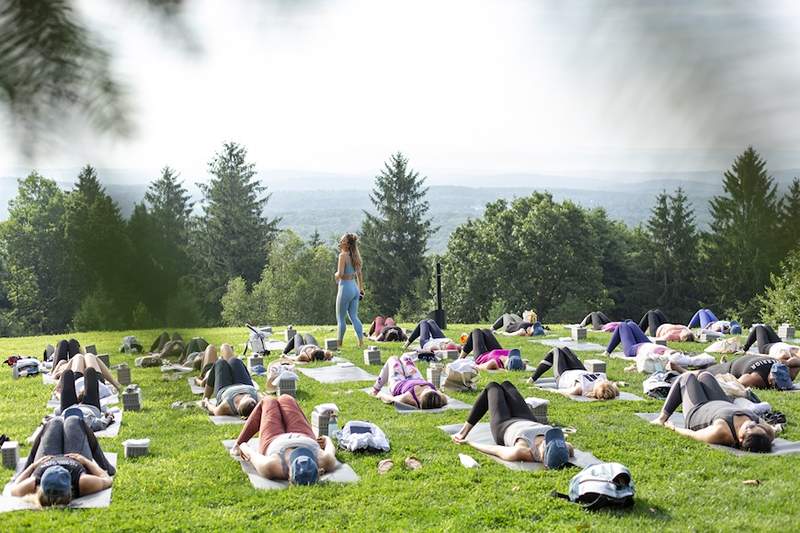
[
  {"x": 764, "y": 336},
  {"x": 504, "y": 404},
  {"x": 66, "y": 350},
  {"x": 481, "y": 341},
  {"x": 71, "y": 435},
  {"x": 426, "y": 330},
  {"x": 597, "y": 318},
  {"x": 91, "y": 389},
  {"x": 159, "y": 343},
  {"x": 227, "y": 373},
  {"x": 299, "y": 340},
  {"x": 691, "y": 390},
  {"x": 651, "y": 320},
  {"x": 560, "y": 360}
]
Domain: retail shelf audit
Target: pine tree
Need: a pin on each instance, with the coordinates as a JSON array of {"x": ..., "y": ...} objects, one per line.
[
  {"x": 233, "y": 234},
  {"x": 101, "y": 254},
  {"x": 741, "y": 250},
  {"x": 790, "y": 218},
  {"x": 170, "y": 205},
  {"x": 160, "y": 231},
  {"x": 395, "y": 239},
  {"x": 671, "y": 254}
]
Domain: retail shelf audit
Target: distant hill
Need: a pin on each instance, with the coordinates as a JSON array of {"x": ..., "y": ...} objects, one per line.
[{"x": 308, "y": 202}]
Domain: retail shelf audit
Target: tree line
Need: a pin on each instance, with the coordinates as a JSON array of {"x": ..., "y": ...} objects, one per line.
[{"x": 70, "y": 261}]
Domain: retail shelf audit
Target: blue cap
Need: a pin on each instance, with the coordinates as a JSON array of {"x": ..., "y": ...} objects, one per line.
[
  {"x": 556, "y": 453},
  {"x": 515, "y": 361},
  {"x": 781, "y": 377},
  {"x": 56, "y": 482},
  {"x": 303, "y": 467},
  {"x": 258, "y": 370},
  {"x": 736, "y": 328},
  {"x": 72, "y": 411}
]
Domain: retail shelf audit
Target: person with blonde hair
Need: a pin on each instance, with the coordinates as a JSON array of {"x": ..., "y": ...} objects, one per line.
[
  {"x": 351, "y": 286},
  {"x": 572, "y": 377}
]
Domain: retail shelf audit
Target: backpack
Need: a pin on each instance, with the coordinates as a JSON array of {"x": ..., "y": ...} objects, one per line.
[
  {"x": 461, "y": 375},
  {"x": 363, "y": 436},
  {"x": 26, "y": 366},
  {"x": 601, "y": 485},
  {"x": 538, "y": 329}
]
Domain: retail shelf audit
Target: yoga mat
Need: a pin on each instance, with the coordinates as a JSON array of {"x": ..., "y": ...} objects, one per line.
[
  {"x": 225, "y": 420},
  {"x": 108, "y": 400},
  {"x": 176, "y": 368},
  {"x": 452, "y": 404},
  {"x": 196, "y": 389},
  {"x": 566, "y": 342},
  {"x": 779, "y": 446},
  {"x": 338, "y": 373},
  {"x": 550, "y": 384},
  {"x": 96, "y": 500},
  {"x": 110, "y": 431},
  {"x": 342, "y": 474},
  {"x": 482, "y": 434}
]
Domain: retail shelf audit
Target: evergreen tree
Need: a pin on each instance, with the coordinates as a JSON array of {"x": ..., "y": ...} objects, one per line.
[
  {"x": 741, "y": 251},
  {"x": 395, "y": 239},
  {"x": 233, "y": 234},
  {"x": 101, "y": 254},
  {"x": 671, "y": 258},
  {"x": 160, "y": 232},
  {"x": 790, "y": 218}
]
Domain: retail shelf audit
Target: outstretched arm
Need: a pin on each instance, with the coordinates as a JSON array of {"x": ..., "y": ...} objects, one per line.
[
  {"x": 716, "y": 433},
  {"x": 506, "y": 453}
]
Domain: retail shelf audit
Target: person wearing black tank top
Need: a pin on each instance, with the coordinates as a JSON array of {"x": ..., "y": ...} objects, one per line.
[
  {"x": 750, "y": 370},
  {"x": 711, "y": 417}
]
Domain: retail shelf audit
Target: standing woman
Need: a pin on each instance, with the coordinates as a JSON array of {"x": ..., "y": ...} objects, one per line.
[{"x": 351, "y": 286}]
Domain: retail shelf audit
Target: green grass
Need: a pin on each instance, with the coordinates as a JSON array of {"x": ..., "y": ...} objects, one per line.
[{"x": 189, "y": 482}]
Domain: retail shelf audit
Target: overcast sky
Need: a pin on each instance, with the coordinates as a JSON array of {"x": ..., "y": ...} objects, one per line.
[{"x": 460, "y": 86}]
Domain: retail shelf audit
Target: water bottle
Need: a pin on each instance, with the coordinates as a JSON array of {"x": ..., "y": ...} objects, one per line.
[{"x": 333, "y": 427}]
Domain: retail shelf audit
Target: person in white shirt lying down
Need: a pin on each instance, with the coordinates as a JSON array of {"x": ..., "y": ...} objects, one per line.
[{"x": 572, "y": 377}]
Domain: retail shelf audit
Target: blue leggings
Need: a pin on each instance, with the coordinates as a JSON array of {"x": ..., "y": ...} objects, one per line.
[
  {"x": 631, "y": 336},
  {"x": 702, "y": 318},
  {"x": 347, "y": 304}
]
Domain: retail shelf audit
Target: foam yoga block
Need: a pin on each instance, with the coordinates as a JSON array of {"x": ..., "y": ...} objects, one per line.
[
  {"x": 482, "y": 434},
  {"x": 339, "y": 373},
  {"x": 578, "y": 333},
  {"x": 567, "y": 342},
  {"x": 10, "y": 453},
  {"x": 595, "y": 365},
  {"x": 96, "y": 500},
  {"x": 452, "y": 404},
  {"x": 331, "y": 345},
  {"x": 779, "y": 446},
  {"x": 550, "y": 384},
  {"x": 341, "y": 474}
]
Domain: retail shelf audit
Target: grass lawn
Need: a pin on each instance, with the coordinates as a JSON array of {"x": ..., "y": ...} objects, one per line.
[{"x": 188, "y": 482}]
